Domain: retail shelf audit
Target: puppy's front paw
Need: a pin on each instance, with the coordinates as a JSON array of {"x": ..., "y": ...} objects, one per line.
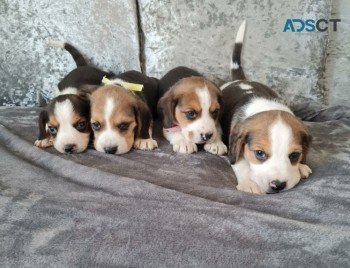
[
  {"x": 185, "y": 147},
  {"x": 145, "y": 144},
  {"x": 304, "y": 171},
  {"x": 218, "y": 148},
  {"x": 44, "y": 143},
  {"x": 249, "y": 187}
]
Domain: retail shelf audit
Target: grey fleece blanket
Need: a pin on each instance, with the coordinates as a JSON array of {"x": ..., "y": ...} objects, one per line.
[{"x": 162, "y": 209}]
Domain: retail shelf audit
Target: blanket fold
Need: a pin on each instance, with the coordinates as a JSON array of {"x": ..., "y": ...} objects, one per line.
[{"x": 162, "y": 209}]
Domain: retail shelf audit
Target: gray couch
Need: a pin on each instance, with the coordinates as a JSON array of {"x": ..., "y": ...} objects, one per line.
[{"x": 159, "y": 208}]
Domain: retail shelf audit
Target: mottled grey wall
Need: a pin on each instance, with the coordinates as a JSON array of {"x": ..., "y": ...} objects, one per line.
[
  {"x": 104, "y": 30},
  {"x": 337, "y": 71},
  {"x": 197, "y": 34},
  {"x": 200, "y": 34}
]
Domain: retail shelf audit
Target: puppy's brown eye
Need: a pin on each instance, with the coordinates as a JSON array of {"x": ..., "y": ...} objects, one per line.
[
  {"x": 293, "y": 157},
  {"x": 190, "y": 115},
  {"x": 215, "y": 113},
  {"x": 52, "y": 130},
  {"x": 95, "y": 126},
  {"x": 81, "y": 125},
  {"x": 124, "y": 126},
  {"x": 260, "y": 155}
]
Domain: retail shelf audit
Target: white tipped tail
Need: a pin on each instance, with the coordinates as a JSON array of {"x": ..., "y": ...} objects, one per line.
[
  {"x": 77, "y": 56},
  {"x": 56, "y": 44},
  {"x": 236, "y": 68},
  {"x": 240, "y": 33}
]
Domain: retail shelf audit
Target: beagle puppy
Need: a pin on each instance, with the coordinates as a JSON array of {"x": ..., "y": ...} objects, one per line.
[
  {"x": 267, "y": 143},
  {"x": 65, "y": 122},
  {"x": 189, "y": 108},
  {"x": 121, "y": 118}
]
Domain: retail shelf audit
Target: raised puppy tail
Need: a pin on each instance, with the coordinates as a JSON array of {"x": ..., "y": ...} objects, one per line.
[
  {"x": 77, "y": 56},
  {"x": 236, "y": 68}
]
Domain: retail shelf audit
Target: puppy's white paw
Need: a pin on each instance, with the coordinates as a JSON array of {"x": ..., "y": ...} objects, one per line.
[
  {"x": 185, "y": 147},
  {"x": 44, "y": 143},
  {"x": 218, "y": 148},
  {"x": 305, "y": 171},
  {"x": 249, "y": 187},
  {"x": 145, "y": 144}
]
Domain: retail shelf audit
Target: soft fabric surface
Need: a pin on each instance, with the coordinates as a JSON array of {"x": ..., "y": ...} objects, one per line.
[{"x": 162, "y": 209}]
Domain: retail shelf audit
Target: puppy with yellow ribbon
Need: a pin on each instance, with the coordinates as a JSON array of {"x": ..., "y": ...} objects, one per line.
[
  {"x": 64, "y": 122},
  {"x": 122, "y": 112}
]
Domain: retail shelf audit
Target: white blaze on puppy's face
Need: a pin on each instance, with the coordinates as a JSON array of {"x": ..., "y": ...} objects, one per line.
[
  {"x": 64, "y": 120},
  {"x": 113, "y": 120}
]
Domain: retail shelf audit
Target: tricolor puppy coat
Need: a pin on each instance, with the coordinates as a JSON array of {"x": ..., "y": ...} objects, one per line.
[
  {"x": 65, "y": 121},
  {"x": 121, "y": 118},
  {"x": 190, "y": 108},
  {"x": 267, "y": 143}
]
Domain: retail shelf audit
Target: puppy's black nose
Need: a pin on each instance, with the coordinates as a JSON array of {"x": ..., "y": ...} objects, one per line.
[
  {"x": 68, "y": 148},
  {"x": 278, "y": 185},
  {"x": 110, "y": 150},
  {"x": 206, "y": 136}
]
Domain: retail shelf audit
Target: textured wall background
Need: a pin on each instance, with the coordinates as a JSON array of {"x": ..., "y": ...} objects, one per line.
[
  {"x": 337, "y": 68},
  {"x": 198, "y": 34},
  {"x": 105, "y": 31}
]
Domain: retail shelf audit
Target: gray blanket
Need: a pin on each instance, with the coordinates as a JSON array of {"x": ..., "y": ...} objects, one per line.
[{"x": 162, "y": 209}]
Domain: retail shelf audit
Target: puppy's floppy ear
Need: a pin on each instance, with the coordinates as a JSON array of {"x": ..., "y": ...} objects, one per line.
[
  {"x": 43, "y": 119},
  {"x": 305, "y": 139},
  {"x": 238, "y": 138},
  {"x": 84, "y": 105},
  {"x": 218, "y": 97},
  {"x": 143, "y": 119},
  {"x": 220, "y": 111},
  {"x": 165, "y": 108}
]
